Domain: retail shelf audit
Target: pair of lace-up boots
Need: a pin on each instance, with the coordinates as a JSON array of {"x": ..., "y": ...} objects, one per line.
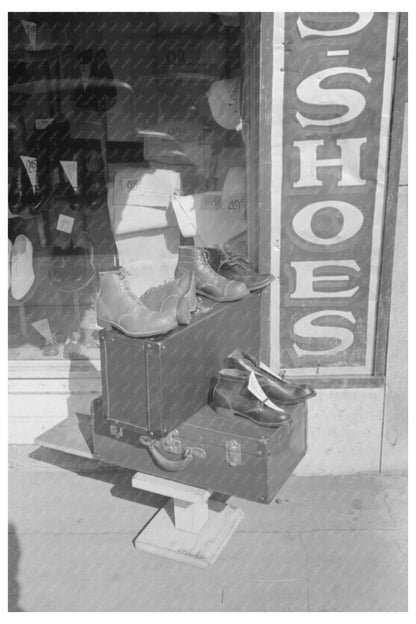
[{"x": 213, "y": 273}]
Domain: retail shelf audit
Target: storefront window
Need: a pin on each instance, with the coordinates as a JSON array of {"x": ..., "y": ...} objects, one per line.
[{"x": 124, "y": 142}]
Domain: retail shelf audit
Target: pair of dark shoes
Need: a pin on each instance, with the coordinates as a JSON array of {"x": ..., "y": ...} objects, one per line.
[
  {"x": 56, "y": 166},
  {"x": 72, "y": 265},
  {"x": 68, "y": 168},
  {"x": 248, "y": 390},
  {"x": 97, "y": 90}
]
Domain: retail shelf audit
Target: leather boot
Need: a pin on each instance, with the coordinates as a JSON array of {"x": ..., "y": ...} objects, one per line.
[
  {"x": 232, "y": 396},
  {"x": 280, "y": 391},
  {"x": 176, "y": 298},
  {"x": 234, "y": 266},
  {"x": 207, "y": 282},
  {"x": 118, "y": 306}
]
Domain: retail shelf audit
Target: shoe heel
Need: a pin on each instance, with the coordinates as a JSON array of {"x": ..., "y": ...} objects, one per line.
[
  {"x": 223, "y": 411},
  {"x": 104, "y": 324},
  {"x": 183, "y": 312},
  {"x": 190, "y": 295}
]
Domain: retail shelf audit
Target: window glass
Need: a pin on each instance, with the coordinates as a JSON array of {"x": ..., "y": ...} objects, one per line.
[{"x": 124, "y": 142}]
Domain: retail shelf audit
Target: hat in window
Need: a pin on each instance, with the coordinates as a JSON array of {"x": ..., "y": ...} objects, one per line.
[{"x": 224, "y": 102}]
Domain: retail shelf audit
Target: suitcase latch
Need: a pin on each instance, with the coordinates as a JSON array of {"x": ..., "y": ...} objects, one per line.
[
  {"x": 233, "y": 452},
  {"x": 116, "y": 431},
  {"x": 171, "y": 443}
]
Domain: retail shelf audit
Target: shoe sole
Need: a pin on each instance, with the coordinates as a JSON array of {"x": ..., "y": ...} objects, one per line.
[
  {"x": 111, "y": 324},
  {"x": 221, "y": 300},
  {"x": 260, "y": 286},
  {"x": 183, "y": 312},
  {"x": 229, "y": 412},
  {"x": 305, "y": 398}
]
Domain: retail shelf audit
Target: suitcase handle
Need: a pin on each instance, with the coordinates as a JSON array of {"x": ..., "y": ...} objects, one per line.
[{"x": 168, "y": 464}]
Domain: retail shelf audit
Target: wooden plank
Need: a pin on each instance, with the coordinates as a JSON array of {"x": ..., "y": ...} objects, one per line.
[
  {"x": 265, "y": 172},
  {"x": 54, "y": 386},
  {"x": 393, "y": 177},
  {"x": 150, "y": 483},
  {"x": 54, "y": 369},
  {"x": 349, "y": 381},
  {"x": 250, "y": 47},
  {"x": 32, "y": 414},
  {"x": 72, "y": 435}
]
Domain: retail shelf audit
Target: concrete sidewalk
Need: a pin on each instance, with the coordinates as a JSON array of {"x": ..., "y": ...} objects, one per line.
[{"x": 324, "y": 544}]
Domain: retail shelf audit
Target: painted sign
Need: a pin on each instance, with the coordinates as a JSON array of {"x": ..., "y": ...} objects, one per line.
[{"x": 335, "y": 120}]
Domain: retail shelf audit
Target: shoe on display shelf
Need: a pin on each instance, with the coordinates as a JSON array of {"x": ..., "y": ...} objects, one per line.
[
  {"x": 277, "y": 389},
  {"x": 97, "y": 90},
  {"x": 22, "y": 274},
  {"x": 234, "y": 266},
  {"x": 119, "y": 307},
  {"x": 237, "y": 394},
  {"x": 24, "y": 198},
  {"x": 176, "y": 297},
  {"x": 72, "y": 269},
  {"x": 207, "y": 282}
]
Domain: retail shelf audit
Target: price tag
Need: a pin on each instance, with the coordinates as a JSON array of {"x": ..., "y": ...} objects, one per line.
[
  {"x": 70, "y": 168},
  {"x": 41, "y": 124},
  {"x": 44, "y": 329},
  {"x": 31, "y": 166},
  {"x": 85, "y": 74},
  {"x": 211, "y": 201},
  {"x": 269, "y": 371},
  {"x": 30, "y": 29},
  {"x": 258, "y": 392},
  {"x": 130, "y": 185},
  {"x": 237, "y": 203},
  {"x": 65, "y": 223}
]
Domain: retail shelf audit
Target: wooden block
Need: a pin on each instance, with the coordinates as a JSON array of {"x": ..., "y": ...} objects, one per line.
[
  {"x": 201, "y": 550},
  {"x": 157, "y": 485},
  {"x": 189, "y": 516}
]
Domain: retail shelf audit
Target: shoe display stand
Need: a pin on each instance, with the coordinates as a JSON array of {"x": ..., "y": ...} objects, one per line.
[{"x": 191, "y": 528}]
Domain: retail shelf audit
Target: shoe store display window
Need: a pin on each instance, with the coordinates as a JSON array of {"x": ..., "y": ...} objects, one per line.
[{"x": 126, "y": 141}]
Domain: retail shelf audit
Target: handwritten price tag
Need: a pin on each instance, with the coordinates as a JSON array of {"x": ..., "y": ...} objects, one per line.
[
  {"x": 30, "y": 30},
  {"x": 65, "y": 223},
  {"x": 70, "y": 168},
  {"x": 31, "y": 166},
  {"x": 258, "y": 392},
  {"x": 41, "y": 124},
  {"x": 44, "y": 329}
]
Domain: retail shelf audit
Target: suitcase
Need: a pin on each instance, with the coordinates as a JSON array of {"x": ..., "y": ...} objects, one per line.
[
  {"x": 230, "y": 455},
  {"x": 152, "y": 385}
]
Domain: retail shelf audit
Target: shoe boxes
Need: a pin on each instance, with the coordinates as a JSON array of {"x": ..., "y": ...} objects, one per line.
[
  {"x": 154, "y": 384},
  {"x": 230, "y": 455}
]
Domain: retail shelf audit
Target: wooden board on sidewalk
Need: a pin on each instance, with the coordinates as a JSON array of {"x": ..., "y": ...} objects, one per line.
[{"x": 72, "y": 435}]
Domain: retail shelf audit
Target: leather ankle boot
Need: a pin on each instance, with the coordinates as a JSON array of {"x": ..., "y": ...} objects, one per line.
[
  {"x": 234, "y": 266},
  {"x": 176, "y": 298},
  {"x": 207, "y": 282},
  {"x": 232, "y": 396},
  {"x": 281, "y": 391},
  {"x": 118, "y": 306}
]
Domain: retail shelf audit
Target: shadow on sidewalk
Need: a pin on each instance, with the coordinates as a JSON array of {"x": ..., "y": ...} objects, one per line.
[
  {"x": 119, "y": 478},
  {"x": 13, "y": 569}
]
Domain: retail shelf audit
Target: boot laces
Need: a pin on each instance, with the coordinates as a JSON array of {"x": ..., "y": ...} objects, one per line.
[
  {"x": 232, "y": 259},
  {"x": 127, "y": 291},
  {"x": 204, "y": 255}
]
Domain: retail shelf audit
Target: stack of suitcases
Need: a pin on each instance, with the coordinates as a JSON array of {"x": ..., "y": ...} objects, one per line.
[{"x": 155, "y": 417}]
